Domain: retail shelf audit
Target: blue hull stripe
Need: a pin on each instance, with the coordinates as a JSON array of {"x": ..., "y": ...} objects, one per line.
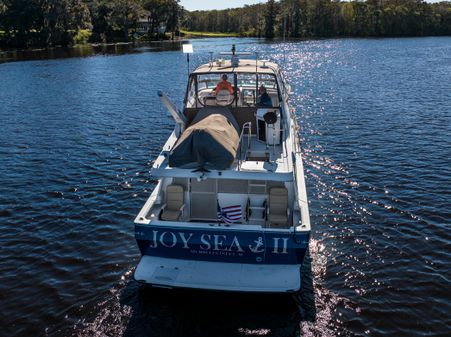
[{"x": 222, "y": 245}]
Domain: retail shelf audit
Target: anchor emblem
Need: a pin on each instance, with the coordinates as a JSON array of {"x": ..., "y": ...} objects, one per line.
[{"x": 258, "y": 244}]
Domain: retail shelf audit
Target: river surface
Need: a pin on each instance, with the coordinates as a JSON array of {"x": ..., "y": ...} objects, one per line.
[{"x": 77, "y": 139}]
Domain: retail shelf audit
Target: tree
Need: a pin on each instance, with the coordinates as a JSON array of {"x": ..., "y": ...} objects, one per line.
[
  {"x": 173, "y": 19},
  {"x": 324, "y": 18},
  {"x": 113, "y": 20},
  {"x": 101, "y": 14},
  {"x": 158, "y": 13},
  {"x": 60, "y": 20},
  {"x": 125, "y": 14},
  {"x": 163, "y": 13},
  {"x": 42, "y": 22},
  {"x": 270, "y": 18},
  {"x": 19, "y": 19},
  {"x": 50, "y": 22}
]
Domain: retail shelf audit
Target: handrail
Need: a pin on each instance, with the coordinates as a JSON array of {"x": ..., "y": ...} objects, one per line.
[{"x": 248, "y": 126}]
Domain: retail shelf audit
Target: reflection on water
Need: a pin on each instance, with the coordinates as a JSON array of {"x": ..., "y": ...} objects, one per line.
[
  {"x": 77, "y": 142},
  {"x": 86, "y": 50}
]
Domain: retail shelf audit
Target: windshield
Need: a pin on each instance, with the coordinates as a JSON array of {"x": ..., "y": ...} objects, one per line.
[{"x": 236, "y": 89}]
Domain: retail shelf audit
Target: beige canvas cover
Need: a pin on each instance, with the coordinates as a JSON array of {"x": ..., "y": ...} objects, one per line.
[{"x": 210, "y": 142}]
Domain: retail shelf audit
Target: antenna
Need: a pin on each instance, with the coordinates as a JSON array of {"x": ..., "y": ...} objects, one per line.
[
  {"x": 235, "y": 60},
  {"x": 256, "y": 77},
  {"x": 234, "y": 53},
  {"x": 187, "y": 49},
  {"x": 256, "y": 61}
]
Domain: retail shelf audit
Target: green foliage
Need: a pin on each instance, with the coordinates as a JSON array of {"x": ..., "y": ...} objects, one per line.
[
  {"x": 328, "y": 18},
  {"x": 113, "y": 20},
  {"x": 63, "y": 22},
  {"x": 83, "y": 36},
  {"x": 270, "y": 18},
  {"x": 162, "y": 13},
  {"x": 42, "y": 22},
  {"x": 236, "y": 20}
]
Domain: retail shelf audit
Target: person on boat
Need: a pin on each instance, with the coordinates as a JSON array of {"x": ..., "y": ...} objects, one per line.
[
  {"x": 263, "y": 99},
  {"x": 224, "y": 85}
]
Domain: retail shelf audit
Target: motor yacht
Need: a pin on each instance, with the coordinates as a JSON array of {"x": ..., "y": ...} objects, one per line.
[{"x": 230, "y": 209}]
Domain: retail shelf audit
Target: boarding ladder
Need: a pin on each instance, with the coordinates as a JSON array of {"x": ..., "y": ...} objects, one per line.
[{"x": 257, "y": 212}]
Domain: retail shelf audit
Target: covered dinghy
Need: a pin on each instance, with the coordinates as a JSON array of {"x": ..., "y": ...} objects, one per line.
[{"x": 210, "y": 142}]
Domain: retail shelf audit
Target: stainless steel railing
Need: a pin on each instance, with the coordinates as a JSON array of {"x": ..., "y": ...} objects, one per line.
[{"x": 245, "y": 131}]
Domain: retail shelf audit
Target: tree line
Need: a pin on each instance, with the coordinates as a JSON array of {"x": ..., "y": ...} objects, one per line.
[
  {"x": 62, "y": 22},
  {"x": 26, "y": 23},
  {"x": 328, "y": 18}
]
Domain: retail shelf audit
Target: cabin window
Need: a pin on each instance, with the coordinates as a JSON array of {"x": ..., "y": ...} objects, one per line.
[
  {"x": 247, "y": 83},
  {"x": 246, "y": 80},
  {"x": 208, "y": 81},
  {"x": 191, "y": 96},
  {"x": 270, "y": 83},
  {"x": 200, "y": 90}
]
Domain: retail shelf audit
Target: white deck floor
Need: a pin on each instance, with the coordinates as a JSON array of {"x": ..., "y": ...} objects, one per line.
[{"x": 254, "y": 158}]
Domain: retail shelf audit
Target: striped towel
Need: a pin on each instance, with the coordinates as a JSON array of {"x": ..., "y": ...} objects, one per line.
[{"x": 229, "y": 214}]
